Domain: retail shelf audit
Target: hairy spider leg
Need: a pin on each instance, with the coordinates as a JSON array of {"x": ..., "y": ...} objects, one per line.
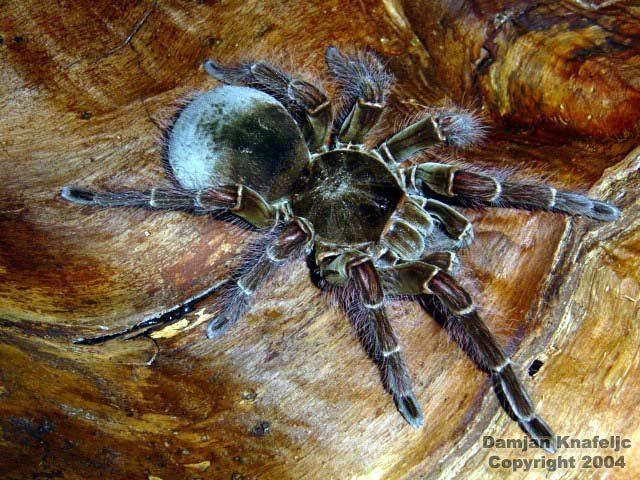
[
  {"x": 355, "y": 271},
  {"x": 467, "y": 328},
  {"x": 236, "y": 199},
  {"x": 307, "y": 104},
  {"x": 476, "y": 190},
  {"x": 440, "y": 127},
  {"x": 285, "y": 243},
  {"x": 364, "y": 84},
  {"x": 378, "y": 338}
]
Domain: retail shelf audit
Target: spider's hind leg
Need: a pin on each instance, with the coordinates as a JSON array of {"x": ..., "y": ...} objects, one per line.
[
  {"x": 282, "y": 245},
  {"x": 364, "y": 84},
  {"x": 307, "y": 104}
]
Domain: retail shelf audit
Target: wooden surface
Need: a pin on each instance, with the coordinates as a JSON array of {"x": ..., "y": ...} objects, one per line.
[{"x": 85, "y": 88}]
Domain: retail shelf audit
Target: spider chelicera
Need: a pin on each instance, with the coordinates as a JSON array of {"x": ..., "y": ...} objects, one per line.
[{"x": 268, "y": 148}]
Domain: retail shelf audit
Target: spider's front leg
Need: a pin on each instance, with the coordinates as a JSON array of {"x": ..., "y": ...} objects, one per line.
[
  {"x": 237, "y": 199},
  {"x": 374, "y": 329},
  {"x": 474, "y": 189},
  {"x": 364, "y": 84},
  {"x": 469, "y": 331},
  {"x": 307, "y": 104}
]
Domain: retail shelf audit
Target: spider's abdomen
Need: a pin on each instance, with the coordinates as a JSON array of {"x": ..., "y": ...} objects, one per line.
[
  {"x": 348, "y": 196},
  {"x": 237, "y": 135}
]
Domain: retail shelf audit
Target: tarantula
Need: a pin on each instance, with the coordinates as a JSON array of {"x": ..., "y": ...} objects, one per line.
[{"x": 267, "y": 147}]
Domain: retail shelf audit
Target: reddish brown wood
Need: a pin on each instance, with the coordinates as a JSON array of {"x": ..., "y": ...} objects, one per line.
[{"x": 85, "y": 88}]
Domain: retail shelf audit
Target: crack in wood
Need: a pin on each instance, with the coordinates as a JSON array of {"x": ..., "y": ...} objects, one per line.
[{"x": 129, "y": 38}]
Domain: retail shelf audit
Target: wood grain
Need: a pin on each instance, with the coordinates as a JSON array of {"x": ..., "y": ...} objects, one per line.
[{"x": 85, "y": 89}]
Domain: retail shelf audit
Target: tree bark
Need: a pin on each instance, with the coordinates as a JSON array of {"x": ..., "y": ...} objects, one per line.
[{"x": 86, "y": 89}]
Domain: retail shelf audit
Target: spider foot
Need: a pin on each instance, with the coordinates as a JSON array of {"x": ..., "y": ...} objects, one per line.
[
  {"x": 218, "y": 325},
  {"x": 540, "y": 432},
  {"x": 78, "y": 195},
  {"x": 576, "y": 204},
  {"x": 410, "y": 409}
]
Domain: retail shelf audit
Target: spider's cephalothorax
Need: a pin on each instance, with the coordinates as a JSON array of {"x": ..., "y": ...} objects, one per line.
[{"x": 267, "y": 147}]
